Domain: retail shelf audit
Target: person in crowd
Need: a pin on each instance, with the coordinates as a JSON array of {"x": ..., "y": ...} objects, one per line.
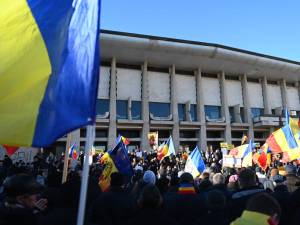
[
  {"x": 216, "y": 203},
  {"x": 293, "y": 207},
  {"x": 247, "y": 188},
  {"x": 291, "y": 178},
  {"x": 185, "y": 206},
  {"x": 22, "y": 204},
  {"x": 232, "y": 185},
  {"x": 115, "y": 206},
  {"x": 64, "y": 210},
  {"x": 149, "y": 208},
  {"x": 262, "y": 209}
]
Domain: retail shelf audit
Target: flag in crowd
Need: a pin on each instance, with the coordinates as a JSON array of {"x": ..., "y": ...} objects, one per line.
[
  {"x": 104, "y": 180},
  {"x": 125, "y": 140},
  {"x": 243, "y": 152},
  {"x": 153, "y": 140},
  {"x": 73, "y": 151},
  {"x": 286, "y": 139},
  {"x": 51, "y": 89},
  {"x": 120, "y": 157},
  {"x": 10, "y": 150},
  {"x": 195, "y": 164},
  {"x": 166, "y": 149},
  {"x": 115, "y": 160}
]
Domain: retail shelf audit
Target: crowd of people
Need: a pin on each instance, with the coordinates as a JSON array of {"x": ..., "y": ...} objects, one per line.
[{"x": 159, "y": 192}]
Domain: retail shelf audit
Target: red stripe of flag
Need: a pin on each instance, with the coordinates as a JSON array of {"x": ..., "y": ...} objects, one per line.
[{"x": 273, "y": 145}]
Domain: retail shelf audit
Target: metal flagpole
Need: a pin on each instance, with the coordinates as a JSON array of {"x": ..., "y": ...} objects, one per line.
[
  {"x": 66, "y": 159},
  {"x": 90, "y": 136}
]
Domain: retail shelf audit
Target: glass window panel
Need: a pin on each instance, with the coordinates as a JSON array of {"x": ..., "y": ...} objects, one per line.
[
  {"x": 194, "y": 112},
  {"x": 256, "y": 112},
  {"x": 212, "y": 112},
  {"x": 136, "y": 110},
  {"x": 159, "y": 109},
  {"x": 102, "y": 106},
  {"x": 181, "y": 112},
  {"x": 122, "y": 109}
]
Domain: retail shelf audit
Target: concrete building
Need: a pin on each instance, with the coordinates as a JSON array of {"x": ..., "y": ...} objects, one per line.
[{"x": 200, "y": 93}]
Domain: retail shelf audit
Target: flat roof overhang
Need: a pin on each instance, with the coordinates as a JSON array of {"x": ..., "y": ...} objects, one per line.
[{"x": 190, "y": 55}]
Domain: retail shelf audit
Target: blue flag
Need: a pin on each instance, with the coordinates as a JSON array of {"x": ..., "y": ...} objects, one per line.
[
  {"x": 49, "y": 58},
  {"x": 120, "y": 157}
]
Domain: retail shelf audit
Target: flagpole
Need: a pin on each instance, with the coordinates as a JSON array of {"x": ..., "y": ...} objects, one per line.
[
  {"x": 90, "y": 136},
  {"x": 66, "y": 159}
]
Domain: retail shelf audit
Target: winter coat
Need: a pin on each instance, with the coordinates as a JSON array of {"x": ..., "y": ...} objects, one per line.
[
  {"x": 239, "y": 199},
  {"x": 113, "y": 207}
]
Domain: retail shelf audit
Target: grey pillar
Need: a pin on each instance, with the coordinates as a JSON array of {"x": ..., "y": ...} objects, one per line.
[
  {"x": 267, "y": 106},
  {"x": 247, "y": 106},
  {"x": 225, "y": 109},
  {"x": 145, "y": 108},
  {"x": 285, "y": 99},
  {"x": 174, "y": 107},
  {"x": 200, "y": 111},
  {"x": 112, "y": 130}
]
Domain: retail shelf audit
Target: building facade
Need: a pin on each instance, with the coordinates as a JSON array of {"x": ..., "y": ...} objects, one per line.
[{"x": 200, "y": 93}]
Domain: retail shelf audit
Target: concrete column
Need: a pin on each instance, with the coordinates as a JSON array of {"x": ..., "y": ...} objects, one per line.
[
  {"x": 267, "y": 106},
  {"x": 285, "y": 99},
  {"x": 225, "y": 109},
  {"x": 112, "y": 130},
  {"x": 247, "y": 107},
  {"x": 145, "y": 108},
  {"x": 174, "y": 108},
  {"x": 200, "y": 111}
]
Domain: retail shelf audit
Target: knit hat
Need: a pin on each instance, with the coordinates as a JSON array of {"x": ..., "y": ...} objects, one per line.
[
  {"x": 149, "y": 177},
  {"x": 290, "y": 169},
  {"x": 186, "y": 178}
]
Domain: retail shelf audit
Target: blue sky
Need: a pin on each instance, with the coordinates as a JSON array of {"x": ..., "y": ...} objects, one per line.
[{"x": 266, "y": 26}]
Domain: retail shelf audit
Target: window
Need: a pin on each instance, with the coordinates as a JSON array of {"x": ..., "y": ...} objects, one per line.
[
  {"x": 129, "y": 133},
  {"x": 102, "y": 106},
  {"x": 187, "y": 134},
  {"x": 212, "y": 112},
  {"x": 163, "y": 133},
  {"x": 101, "y": 133},
  {"x": 122, "y": 109},
  {"x": 260, "y": 134},
  {"x": 159, "y": 109},
  {"x": 194, "y": 112},
  {"x": 231, "y": 113},
  {"x": 181, "y": 112},
  {"x": 214, "y": 134},
  {"x": 256, "y": 112},
  {"x": 237, "y": 134},
  {"x": 136, "y": 110}
]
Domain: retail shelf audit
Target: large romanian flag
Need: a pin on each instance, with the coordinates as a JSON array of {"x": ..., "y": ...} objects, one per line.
[
  {"x": 49, "y": 62},
  {"x": 284, "y": 141}
]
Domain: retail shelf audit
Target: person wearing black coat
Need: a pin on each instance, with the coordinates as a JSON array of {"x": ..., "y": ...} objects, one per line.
[
  {"x": 186, "y": 206},
  {"x": 216, "y": 202},
  {"x": 115, "y": 206},
  {"x": 22, "y": 204},
  {"x": 247, "y": 183},
  {"x": 150, "y": 210}
]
